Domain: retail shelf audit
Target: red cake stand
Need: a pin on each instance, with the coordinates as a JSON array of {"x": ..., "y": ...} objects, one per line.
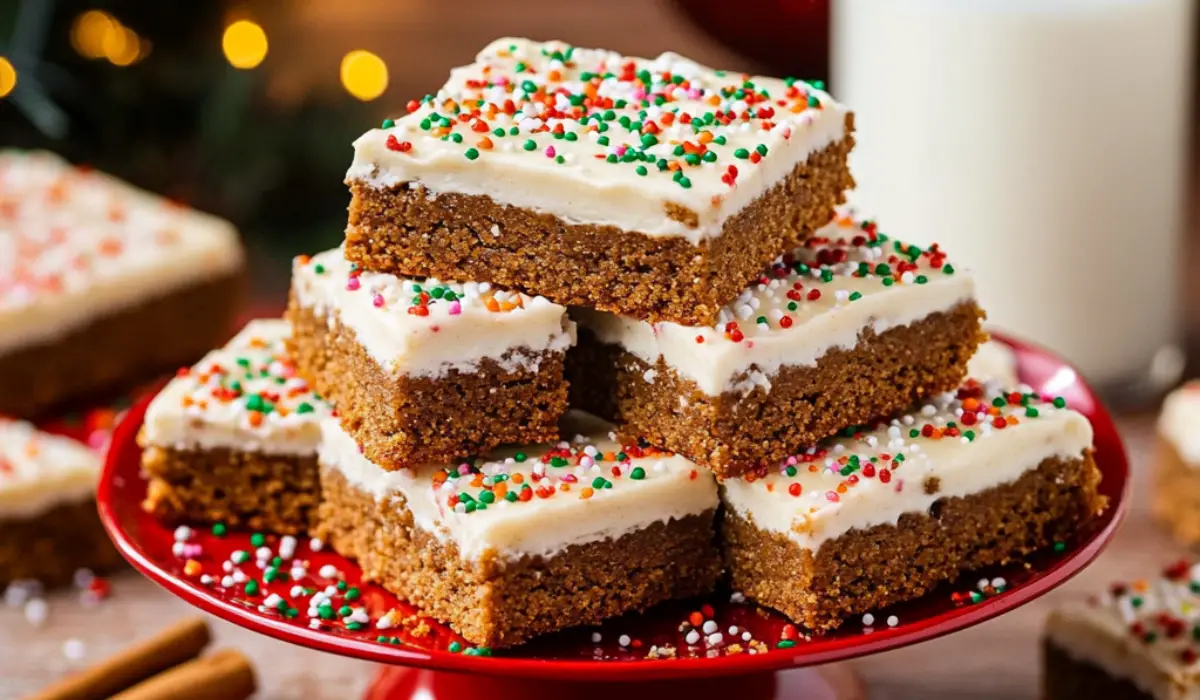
[{"x": 425, "y": 659}]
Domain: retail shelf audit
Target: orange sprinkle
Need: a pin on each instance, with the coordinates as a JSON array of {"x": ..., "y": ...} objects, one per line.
[
  {"x": 477, "y": 480},
  {"x": 696, "y": 619},
  {"x": 842, "y": 487},
  {"x": 492, "y": 305},
  {"x": 439, "y": 477},
  {"x": 517, "y": 478},
  {"x": 554, "y": 75},
  {"x": 192, "y": 567},
  {"x": 485, "y": 143},
  {"x": 255, "y": 418},
  {"x": 705, "y": 137},
  {"x": 586, "y": 493}
]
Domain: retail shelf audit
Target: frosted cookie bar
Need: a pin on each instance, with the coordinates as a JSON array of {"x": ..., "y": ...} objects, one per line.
[
  {"x": 234, "y": 438},
  {"x": 655, "y": 188},
  {"x": 428, "y": 371},
  {"x": 102, "y": 286},
  {"x": 525, "y": 541},
  {"x": 848, "y": 327}
]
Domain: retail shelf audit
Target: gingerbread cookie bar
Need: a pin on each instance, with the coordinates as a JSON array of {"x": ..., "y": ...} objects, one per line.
[
  {"x": 427, "y": 371},
  {"x": 848, "y": 327},
  {"x": 525, "y": 541},
  {"x": 1137, "y": 640},
  {"x": 853, "y": 524},
  {"x": 1177, "y": 464},
  {"x": 102, "y": 286},
  {"x": 655, "y": 188},
  {"x": 48, "y": 521},
  {"x": 234, "y": 438}
]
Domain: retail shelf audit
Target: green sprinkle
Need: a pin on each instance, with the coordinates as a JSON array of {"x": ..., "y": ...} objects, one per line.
[
  {"x": 855, "y": 296},
  {"x": 258, "y": 539},
  {"x": 1062, "y": 547},
  {"x": 1031, "y": 412},
  {"x": 741, "y": 153},
  {"x": 387, "y": 124},
  {"x": 304, "y": 407},
  {"x": 637, "y": 474},
  {"x": 319, "y": 269},
  {"x": 325, "y": 611},
  {"x": 454, "y": 647},
  {"x": 761, "y": 149},
  {"x": 471, "y": 154},
  {"x": 219, "y": 530},
  {"x": 1059, "y": 402},
  {"x": 785, "y": 644},
  {"x": 487, "y": 497},
  {"x": 352, "y": 594},
  {"x": 251, "y": 587},
  {"x": 345, "y": 611},
  {"x": 530, "y": 145},
  {"x": 641, "y": 170}
]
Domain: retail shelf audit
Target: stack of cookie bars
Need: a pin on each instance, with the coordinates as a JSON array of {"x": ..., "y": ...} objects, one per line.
[{"x": 664, "y": 247}]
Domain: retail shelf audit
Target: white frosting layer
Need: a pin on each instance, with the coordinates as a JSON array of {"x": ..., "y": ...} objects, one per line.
[
  {"x": 76, "y": 245},
  {"x": 560, "y": 506},
  {"x": 1179, "y": 422},
  {"x": 424, "y": 327},
  {"x": 244, "y": 396},
  {"x": 1142, "y": 631},
  {"x": 39, "y": 471},
  {"x": 880, "y": 474},
  {"x": 994, "y": 361},
  {"x": 821, "y": 297},
  {"x": 547, "y": 137}
]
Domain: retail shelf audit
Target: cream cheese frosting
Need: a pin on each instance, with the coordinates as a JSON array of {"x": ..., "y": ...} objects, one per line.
[
  {"x": 76, "y": 244},
  {"x": 1179, "y": 422},
  {"x": 994, "y": 361},
  {"x": 533, "y": 501},
  {"x": 245, "y": 396},
  {"x": 820, "y": 297},
  {"x": 594, "y": 137},
  {"x": 974, "y": 439},
  {"x": 39, "y": 471},
  {"x": 1143, "y": 631},
  {"x": 426, "y": 327}
]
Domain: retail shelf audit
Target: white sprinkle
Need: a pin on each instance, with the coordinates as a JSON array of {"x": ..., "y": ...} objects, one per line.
[
  {"x": 386, "y": 622},
  {"x": 709, "y": 627},
  {"x": 892, "y": 621},
  {"x": 999, "y": 582},
  {"x": 74, "y": 649},
  {"x": 183, "y": 533},
  {"x": 868, "y": 620},
  {"x": 240, "y": 576},
  {"x": 360, "y": 616},
  {"x": 693, "y": 637},
  {"x": 624, "y": 640},
  {"x": 328, "y": 571},
  {"x": 83, "y": 578},
  {"x": 263, "y": 554},
  {"x": 746, "y": 636},
  {"x": 733, "y": 630},
  {"x": 737, "y": 597},
  {"x": 315, "y": 544},
  {"x": 177, "y": 549},
  {"x": 983, "y": 583},
  {"x": 273, "y": 600},
  {"x": 206, "y": 580},
  {"x": 596, "y": 637},
  {"x": 715, "y": 638},
  {"x": 227, "y": 566},
  {"x": 36, "y": 612},
  {"x": 228, "y": 582},
  {"x": 287, "y": 546}
]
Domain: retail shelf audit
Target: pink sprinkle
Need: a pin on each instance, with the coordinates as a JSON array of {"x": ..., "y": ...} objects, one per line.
[
  {"x": 377, "y": 301},
  {"x": 832, "y": 496},
  {"x": 455, "y": 308},
  {"x": 550, "y": 152},
  {"x": 464, "y": 469},
  {"x": 621, "y": 150},
  {"x": 693, "y": 94},
  {"x": 570, "y": 478},
  {"x": 191, "y": 551},
  {"x": 792, "y": 461},
  {"x": 352, "y": 284}
]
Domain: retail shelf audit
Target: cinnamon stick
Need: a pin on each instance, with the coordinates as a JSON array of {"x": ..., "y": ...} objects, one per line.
[
  {"x": 182, "y": 641},
  {"x": 224, "y": 675}
]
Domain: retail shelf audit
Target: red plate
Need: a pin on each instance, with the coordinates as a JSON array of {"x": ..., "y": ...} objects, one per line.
[{"x": 572, "y": 655}]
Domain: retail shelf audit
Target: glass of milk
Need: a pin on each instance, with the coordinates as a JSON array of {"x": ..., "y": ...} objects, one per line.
[{"x": 1044, "y": 143}]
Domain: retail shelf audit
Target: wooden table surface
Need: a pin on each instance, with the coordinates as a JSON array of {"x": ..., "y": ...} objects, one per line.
[{"x": 998, "y": 659}]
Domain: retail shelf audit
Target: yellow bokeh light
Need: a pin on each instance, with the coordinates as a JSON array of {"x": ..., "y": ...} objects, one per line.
[
  {"x": 90, "y": 31},
  {"x": 8, "y": 77},
  {"x": 121, "y": 46},
  {"x": 364, "y": 75},
  {"x": 244, "y": 44}
]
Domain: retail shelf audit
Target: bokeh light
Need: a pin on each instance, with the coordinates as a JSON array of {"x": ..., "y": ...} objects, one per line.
[
  {"x": 8, "y": 77},
  {"x": 89, "y": 32},
  {"x": 244, "y": 44},
  {"x": 364, "y": 75}
]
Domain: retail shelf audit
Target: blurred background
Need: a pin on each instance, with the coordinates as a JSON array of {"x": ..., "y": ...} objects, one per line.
[{"x": 1051, "y": 146}]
